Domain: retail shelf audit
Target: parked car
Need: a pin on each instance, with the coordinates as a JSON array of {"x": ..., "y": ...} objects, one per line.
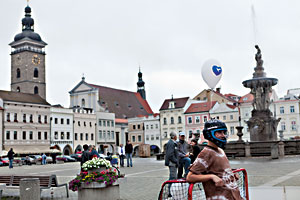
[
  {"x": 1, "y": 163},
  {"x": 5, "y": 161},
  {"x": 61, "y": 158},
  {"x": 36, "y": 158},
  {"x": 76, "y": 156},
  {"x": 49, "y": 159},
  {"x": 27, "y": 160},
  {"x": 70, "y": 159}
]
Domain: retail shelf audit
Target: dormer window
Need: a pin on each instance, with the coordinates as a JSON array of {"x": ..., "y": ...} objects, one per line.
[{"x": 171, "y": 104}]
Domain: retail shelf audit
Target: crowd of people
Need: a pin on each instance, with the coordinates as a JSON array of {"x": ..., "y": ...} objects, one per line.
[{"x": 209, "y": 166}]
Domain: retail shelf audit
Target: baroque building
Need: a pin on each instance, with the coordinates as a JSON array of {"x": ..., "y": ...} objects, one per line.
[{"x": 28, "y": 73}]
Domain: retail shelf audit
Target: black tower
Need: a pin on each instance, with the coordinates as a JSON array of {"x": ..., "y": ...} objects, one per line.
[{"x": 141, "y": 85}]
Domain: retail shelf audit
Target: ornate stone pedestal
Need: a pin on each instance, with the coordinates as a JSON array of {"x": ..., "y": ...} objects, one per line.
[{"x": 95, "y": 191}]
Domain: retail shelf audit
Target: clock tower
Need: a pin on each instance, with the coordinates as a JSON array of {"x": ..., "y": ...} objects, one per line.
[{"x": 28, "y": 72}]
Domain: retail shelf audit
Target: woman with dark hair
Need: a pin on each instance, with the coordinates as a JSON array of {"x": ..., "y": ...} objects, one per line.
[{"x": 196, "y": 150}]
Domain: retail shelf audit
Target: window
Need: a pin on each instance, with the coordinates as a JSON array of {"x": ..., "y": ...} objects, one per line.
[
  {"x": 39, "y": 135},
  {"x": 100, "y": 134},
  {"x": 108, "y": 123},
  {"x": 231, "y": 130},
  {"x": 30, "y": 135},
  {"x": 104, "y": 134},
  {"x": 147, "y": 137},
  {"x": 197, "y": 119},
  {"x": 157, "y": 136},
  {"x": 156, "y": 126},
  {"x": 45, "y": 135},
  {"x": 133, "y": 138},
  {"x": 8, "y": 117},
  {"x": 45, "y": 119},
  {"x": 36, "y": 73},
  {"x": 18, "y": 89},
  {"x": 147, "y": 126},
  {"x": 281, "y": 110},
  {"x": 62, "y": 135},
  {"x": 15, "y": 135},
  {"x": 140, "y": 138},
  {"x": 39, "y": 118},
  {"x": 78, "y": 123},
  {"x": 92, "y": 136},
  {"x": 76, "y": 136},
  {"x": 24, "y": 135},
  {"x": 62, "y": 121},
  {"x": 112, "y": 123},
  {"x": 217, "y": 117},
  {"x": 81, "y": 136},
  {"x": 283, "y": 126},
  {"x": 104, "y": 123},
  {"x": 36, "y": 90},
  {"x": 133, "y": 126},
  {"x": 172, "y": 120},
  {"x": 18, "y": 73},
  {"x": 31, "y": 118},
  {"x": 113, "y": 135},
  {"x": 139, "y": 126},
  {"x": 294, "y": 128},
  {"x": 165, "y": 134},
  {"x": 165, "y": 121},
  {"x": 15, "y": 117},
  {"x": 24, "y": 118},
  {"x": 90, "y": 124},
  {"x": 84, "y": 123},
  {"x": 204, "y": 119},
  {"x": 8, "y": 135},
  {"x": 152, "y": 137},
  {"x": 224, "y": 117},
  {"x": 86, "y": 136},
  {"x": 108, "y": 135},
  {"x": 55, "y": 121},
  {"x": 68, "y": 121},
  {"x": 190, "y": 120},
  {"x": 151, "y": 126},
  {"x": 55, "y": 135},
  {"x": 292, "y": 109},
  {"x": 68, "y": 135},
  {"x": 100, "y": 122},
  {"x": 231, "y": 117},
  {"x": 179, "y": 120},
  {"x": 190, "y": 133},
  {"x": 82, "y": 102}
]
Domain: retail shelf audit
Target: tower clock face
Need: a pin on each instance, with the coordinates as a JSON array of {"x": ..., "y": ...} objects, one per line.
[{"x": 36, "y": 60}]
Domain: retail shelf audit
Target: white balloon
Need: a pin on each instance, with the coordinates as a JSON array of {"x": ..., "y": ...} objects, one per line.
[{"x": 211, "y": 72}]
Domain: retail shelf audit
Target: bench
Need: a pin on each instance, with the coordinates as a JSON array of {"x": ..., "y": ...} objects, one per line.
[{"x": 46, "y": 182}]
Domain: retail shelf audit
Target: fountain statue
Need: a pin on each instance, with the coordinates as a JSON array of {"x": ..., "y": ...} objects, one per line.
[{"x": 262, "y": 124}]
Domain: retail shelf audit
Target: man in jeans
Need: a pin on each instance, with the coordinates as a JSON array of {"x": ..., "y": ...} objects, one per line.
[
  {"x": 183, "y": 154},
  {"x": 121, "y": 155},
  {"x": 128, "y": 151}
]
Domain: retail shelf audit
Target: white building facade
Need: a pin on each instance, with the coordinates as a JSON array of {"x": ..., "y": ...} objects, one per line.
[{"x": 152, "y": 132}]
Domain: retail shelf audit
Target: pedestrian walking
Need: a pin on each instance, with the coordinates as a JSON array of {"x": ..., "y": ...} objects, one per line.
[
  {"x": 121, "y": 155},
  {"x": 10, "y": 156},
  {"x": 44, "y": 159},
  {"x": 128, "y": 151},
  {"x": 183, "y": 154},
  {"x": 212, "y": 167}
]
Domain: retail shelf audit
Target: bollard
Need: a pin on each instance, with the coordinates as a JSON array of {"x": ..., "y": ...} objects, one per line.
[
  {"x": 30, "y": 189},
  {"x": 281, "y": 149},
  {"x": 274, "y": 151},
  {"x": 247, "y": 150}
]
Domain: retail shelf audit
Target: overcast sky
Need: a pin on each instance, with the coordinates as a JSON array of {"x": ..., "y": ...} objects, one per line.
[{"x": 169, "y": 39}]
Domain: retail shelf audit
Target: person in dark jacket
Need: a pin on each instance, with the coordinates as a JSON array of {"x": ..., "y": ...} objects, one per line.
[
  {"x": 94, "y": 153},
  {"x": 85, "y": 154},
  {"x": 128, "y": 151},
  {"x": 171, "y": 157},
  {"x": 196, "y": 150},
  {"x": 183, "y": 154},
  {"x": 10, "y": 156}
]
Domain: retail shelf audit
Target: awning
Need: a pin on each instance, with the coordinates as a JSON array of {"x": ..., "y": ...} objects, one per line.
[{"x": 32, "y": 149}]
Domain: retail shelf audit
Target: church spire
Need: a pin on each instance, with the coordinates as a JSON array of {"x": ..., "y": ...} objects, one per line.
[{"x": 141, "y": 85}]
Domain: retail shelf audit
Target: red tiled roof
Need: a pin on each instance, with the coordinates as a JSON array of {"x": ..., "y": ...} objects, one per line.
[
  {"x": 154, "y": 115},
  {"x": 124, "y": 104},
  {"x": 179, "y": 103},
  {"x": 231, "y": 106},
  {"x": 248, "y": 98},
  {"x": 200, "y": 107},
  {"x": 230, "y": 95},
  {"x": 224, "y": 96}
]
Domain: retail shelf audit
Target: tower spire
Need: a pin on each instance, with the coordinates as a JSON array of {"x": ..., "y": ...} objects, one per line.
[{"x": 141, "y": 84}]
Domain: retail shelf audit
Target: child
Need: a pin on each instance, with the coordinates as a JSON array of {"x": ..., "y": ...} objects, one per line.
[{"x": 212, "y": 166}]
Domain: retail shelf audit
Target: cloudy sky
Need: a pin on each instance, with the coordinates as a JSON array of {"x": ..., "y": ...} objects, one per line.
[{"x": 169, "y": 39}]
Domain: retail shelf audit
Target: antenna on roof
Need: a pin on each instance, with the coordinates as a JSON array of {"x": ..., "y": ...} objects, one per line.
[
  {"x": 27, "y": 2},
  {"x": 83, "y": 78}
]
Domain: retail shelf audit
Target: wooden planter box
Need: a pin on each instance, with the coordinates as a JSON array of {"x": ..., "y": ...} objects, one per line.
[{"x": 94, "y": 191}]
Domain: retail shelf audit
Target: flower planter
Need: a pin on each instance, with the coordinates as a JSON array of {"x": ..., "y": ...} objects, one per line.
[
  {"x": 60, "y": 162},
  {"x": 97, "y": 170},
  {"x": 94, "y": 191}
]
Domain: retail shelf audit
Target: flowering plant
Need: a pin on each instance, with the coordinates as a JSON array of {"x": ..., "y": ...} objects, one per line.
[
  {"x": 96, "y": 163},
  {"x": 108, "y": 177}
]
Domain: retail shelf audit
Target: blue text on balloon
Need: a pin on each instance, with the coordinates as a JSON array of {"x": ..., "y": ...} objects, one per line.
[{"x": 217, "y": 70}]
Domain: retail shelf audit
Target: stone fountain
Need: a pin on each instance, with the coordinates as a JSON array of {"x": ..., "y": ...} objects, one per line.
[{"x": 262, "y": 124}]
